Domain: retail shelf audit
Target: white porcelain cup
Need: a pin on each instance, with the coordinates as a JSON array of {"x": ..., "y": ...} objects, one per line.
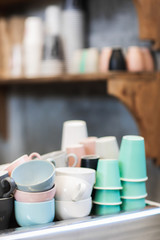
[
  {"x": 72, "y": 189},
  {"x": 107, "y": 147},
  {"x": 60, "y": 158},
  {"x": 69, "y": 209},
  {"x": 73, "y": 132},
  {"x": 86, "y": 174}
]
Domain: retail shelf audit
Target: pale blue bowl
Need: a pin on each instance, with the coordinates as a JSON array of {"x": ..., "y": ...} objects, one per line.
[{"x": 28, "y": 214}]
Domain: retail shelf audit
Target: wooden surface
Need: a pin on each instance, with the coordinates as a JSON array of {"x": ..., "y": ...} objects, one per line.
[
  {"x": 142, "y": 99},
  {"x": 149, "y": 20}
]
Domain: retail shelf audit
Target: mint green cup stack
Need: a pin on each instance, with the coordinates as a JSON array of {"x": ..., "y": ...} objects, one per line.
[
  {"x": 107, "y": 188},
  {"x": 132, "y": 164}
]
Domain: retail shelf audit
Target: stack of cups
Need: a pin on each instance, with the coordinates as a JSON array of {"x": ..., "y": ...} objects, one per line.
[
  {"x": 132, "y": 163},
  {"x": 72, "y": 30},
  {"x": 32, "y": 46},
  {"x": 74, "y": 189},
  {"x": 34, "y": 197},
  {"x": 107, "y": 188}
]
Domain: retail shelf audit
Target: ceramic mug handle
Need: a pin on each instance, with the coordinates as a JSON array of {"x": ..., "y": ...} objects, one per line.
[
  {"x": 75, "y": 159},
  {"x": 82, "y": 188},
  {"x": 34, "y": 155},
  {"x": 12, "y": 185},
  {"x": 51, "y": 160}
]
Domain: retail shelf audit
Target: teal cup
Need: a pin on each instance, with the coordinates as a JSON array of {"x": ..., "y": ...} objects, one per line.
[
  {"x": 132, "y": 160},
  {"x": 107, "y": 196},
  {"x": 105, "y": 209},
  {"x": 133, "y": 189},
  {"x": 133, "y": 204},
  {"x": 107, "y": 175},
  {"x": 34, "y": 176},
  {"x": 28, "y": 214}
]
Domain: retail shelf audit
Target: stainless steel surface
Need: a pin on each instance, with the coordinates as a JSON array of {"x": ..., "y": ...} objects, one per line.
[{"x": 138, "y": 225}]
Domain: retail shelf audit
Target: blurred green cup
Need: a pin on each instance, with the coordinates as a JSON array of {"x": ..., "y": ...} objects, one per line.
[
  {"x": 105, "y": 209},
  {"x": 132, "y": 160},
  {"x": 107, "y": 196},
  {"x": 133, "y": 204},
  {"x": 133, "y": 189},
  {"x": 107, "y": 175}
]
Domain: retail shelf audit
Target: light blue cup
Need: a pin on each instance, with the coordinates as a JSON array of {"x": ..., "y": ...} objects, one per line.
[
  {"x": 133, "y": 204},
  {"x": 107, "y": 196},
  {"x": 133, "y": 189},
  {"x": 28, "y": 214},
  {"x": 100, "y": 210},
  {"x": 107, "y": 175},
  {"x": 34, "y": 176},
  {"x": 132, "y": 160}
]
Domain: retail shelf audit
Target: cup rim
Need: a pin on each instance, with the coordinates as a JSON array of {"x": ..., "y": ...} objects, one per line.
[
  {"x": 106, "y": 139},
  {"x": 134, "y": 180},
  {"x": 133, "y": 138},
  {"x": 74, "y": 170},
  {"x": 36, "y": 193},
  {"x": 90, "y": 157},
  {"x": 30, "y": 162},
  {"x": 107, "y": 188},
  {"x": 134, "y": 198},
  {"x": 35, "y": 203},
  {"x": 107, "y": 204},
  {"x": 74, "y": 123}
]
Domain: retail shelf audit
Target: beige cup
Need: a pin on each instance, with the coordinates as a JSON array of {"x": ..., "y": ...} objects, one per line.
[
  {"x": 78, "y": 150},
  {"x": 107, "y": 147}
]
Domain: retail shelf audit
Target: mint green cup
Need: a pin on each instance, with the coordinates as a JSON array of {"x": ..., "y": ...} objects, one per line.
[
  {"x": 105, "y": 209},
  {"x": 107, "y": 175},
  {"x": 133, "y": 204},
  {"x": 107, "y": 196},
  {"x": 133, "y": 189},
  {"x": 132, "y": 160}
]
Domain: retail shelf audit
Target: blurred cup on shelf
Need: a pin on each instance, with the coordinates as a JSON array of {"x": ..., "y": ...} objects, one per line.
[
  {"x": 107, "y": 147},
  {"x": 69, "y": 209},
  {"x": 32, "y": 46},
  {"x": 72, "y": 188},
  {"x": 107, "y": 196},
  {"x": 132, "y": 159},
  {"x": 148, "y": 60},
  {"x": 78, "y": 150},
  {"x": 107, "y": 175},
  {"x": 89, "y": 161},
  {"x": 135, "y": 59},
  {"x": 73, "y": 132},
  {"x": 104, "y": 60},
  {"x": 101, "y": 209},
  {"x": 89, "y": 145},
  {"x": 92, "y": 60},
  {"x": 117, "y": 60},
  {"x": 60, "y": 158},
  {"x": 133, "y": 204},
  {"x": 133, "y": 189},
  {"x": 53, "y": 20},
  {"x": 76, "y": 60}
]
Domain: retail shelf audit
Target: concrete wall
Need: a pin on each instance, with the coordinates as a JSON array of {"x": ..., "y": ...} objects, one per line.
[{"x": 36, "y": 114}]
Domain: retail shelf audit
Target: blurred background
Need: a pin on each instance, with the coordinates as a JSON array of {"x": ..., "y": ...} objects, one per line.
[{"x": 36, "y": 112}]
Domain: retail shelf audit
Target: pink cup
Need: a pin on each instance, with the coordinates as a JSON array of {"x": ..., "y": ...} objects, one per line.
[
  {"x": 19, "y": 161},
  {"x": 89, "y": 145},
  {"x": 105, "y": 59},
  {"x": 29, "y": 197},
  {"x": 78, "y": 150}
]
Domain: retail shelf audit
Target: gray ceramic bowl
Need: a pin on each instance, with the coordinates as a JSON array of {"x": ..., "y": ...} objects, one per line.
[{"x": 34, "y": 176}]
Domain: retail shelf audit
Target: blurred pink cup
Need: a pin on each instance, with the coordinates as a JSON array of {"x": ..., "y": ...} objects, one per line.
[
  {"x": 89, "y": 145},
  {"x": 29, "y": 197},
  {"x": 105, "y": 59},
  {"x": 135, "y": 60},
  {"x": 78, "y": 150},
  {"x": 19, "y": 161}
]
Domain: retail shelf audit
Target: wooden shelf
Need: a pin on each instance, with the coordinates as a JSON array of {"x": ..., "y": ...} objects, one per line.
[{"x": 144, "y": 76}]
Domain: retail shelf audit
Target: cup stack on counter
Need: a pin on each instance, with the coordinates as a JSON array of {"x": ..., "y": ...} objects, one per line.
[{"x": 132, "y": 162}]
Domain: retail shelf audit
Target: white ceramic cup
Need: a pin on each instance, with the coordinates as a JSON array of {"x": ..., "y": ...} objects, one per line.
[
  {"x": 72, "y": 188},
  {"x": 60, "y": 158},
  {"x": 107, "y": 147},
  {"x": 73, "y": 132},
  {"x": 69, "y": 209},
  {"x": 86, "y": 174}
]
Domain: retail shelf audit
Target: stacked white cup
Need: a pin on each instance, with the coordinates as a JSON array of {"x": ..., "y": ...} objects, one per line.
[
  {"x": 72, "y": 33},
  {"x": 32, "y": 46}
]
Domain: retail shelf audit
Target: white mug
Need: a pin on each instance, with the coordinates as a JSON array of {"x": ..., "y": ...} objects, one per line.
[
  {"x": 72, "y": 188},
  {"x": 60, "y": 158}
]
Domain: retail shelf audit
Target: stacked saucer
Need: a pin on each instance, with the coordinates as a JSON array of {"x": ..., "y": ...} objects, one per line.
[
  {"x": 132, "y": 163},
  {"x": 106, "y": 198}
]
